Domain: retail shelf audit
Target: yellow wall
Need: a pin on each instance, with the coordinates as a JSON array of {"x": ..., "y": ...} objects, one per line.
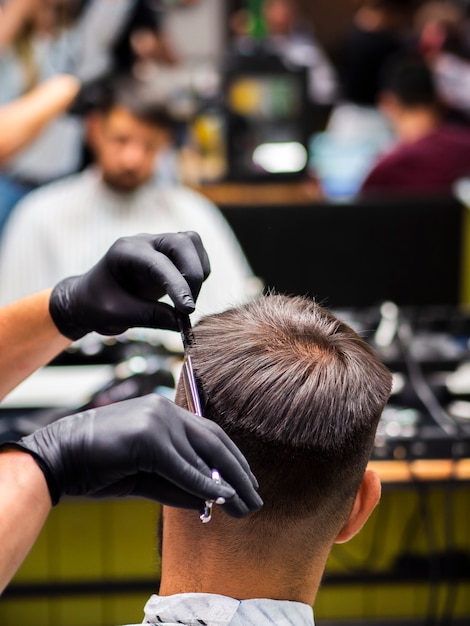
[
  {"x": 89, "y": 541},
  {"x": 465, "y": 287}
]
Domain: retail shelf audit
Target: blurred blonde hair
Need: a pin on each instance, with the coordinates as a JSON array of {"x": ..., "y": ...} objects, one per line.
[{"x": 23, "y": 43}]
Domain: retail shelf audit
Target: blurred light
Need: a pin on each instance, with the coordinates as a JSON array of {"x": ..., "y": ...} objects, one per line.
[{"x": 276, "y": 158}]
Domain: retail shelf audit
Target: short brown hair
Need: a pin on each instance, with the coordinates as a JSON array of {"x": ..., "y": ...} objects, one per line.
[
  {"x": 300, "y": 393},
  {"x": 138, "y": 98}
]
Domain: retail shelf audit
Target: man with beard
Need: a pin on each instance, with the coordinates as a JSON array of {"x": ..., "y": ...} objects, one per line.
[{"x": 63, "y": 228}]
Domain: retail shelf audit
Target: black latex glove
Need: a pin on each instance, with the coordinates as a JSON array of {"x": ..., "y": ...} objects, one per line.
[
  {"x": 121, "y": 290},
  {"x": 146, "y": 447},
  {"x": 93, "y": 95}
]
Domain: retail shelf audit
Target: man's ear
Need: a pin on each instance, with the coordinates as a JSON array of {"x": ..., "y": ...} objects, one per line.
[{"x": 366, "y": 499}]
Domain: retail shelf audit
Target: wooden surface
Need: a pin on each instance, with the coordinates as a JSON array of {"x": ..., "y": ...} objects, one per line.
[
  {"x": 424, "y": 470},
  {"x": 246, "y": 194}
]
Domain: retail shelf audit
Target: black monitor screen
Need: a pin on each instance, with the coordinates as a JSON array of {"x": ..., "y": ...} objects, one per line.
[{"x": 357, "y": 254}]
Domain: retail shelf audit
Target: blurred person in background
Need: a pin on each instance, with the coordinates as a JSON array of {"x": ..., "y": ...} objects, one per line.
[
  {"x": 431, "y": 153},
  {"x": 288, "y": 36},
  {"x": 442, "y": 38},
  {"x": 44, "y": 39},
  {"x": 379, "y": 30},
  {"x": 357, "y": 131},
  {"x": 142, "y": 39},
  {"x": 62, "y": 228},
  {"x": 37, "y": 49}
]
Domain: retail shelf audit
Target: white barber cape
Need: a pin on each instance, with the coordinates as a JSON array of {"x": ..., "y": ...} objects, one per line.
[{"x": 206, "y": 609}]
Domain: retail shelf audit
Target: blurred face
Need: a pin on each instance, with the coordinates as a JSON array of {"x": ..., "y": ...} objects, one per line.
[
  {"x": 126, "y": 148},
  {"x": 279, "y": 16}
]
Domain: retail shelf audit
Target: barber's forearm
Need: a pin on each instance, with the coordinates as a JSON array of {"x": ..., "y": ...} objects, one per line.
[
  {"x": 22, "y": 120},
  {"x": 28, "y": 339},
  {"x": 24, "y": 506}
]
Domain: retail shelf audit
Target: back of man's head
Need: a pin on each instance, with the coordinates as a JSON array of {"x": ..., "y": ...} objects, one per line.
[
  {"x": 301, "y": 394},
  {"x": 410, "y": 80}
]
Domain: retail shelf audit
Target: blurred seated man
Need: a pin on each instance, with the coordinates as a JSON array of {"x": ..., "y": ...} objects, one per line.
[
  {"x": 431, "y": 154},
  {"x": 357, "y": 131},
  {"x": 301, "y": 393},
  {"x": 64, "y": 227},
  {"x": 442, "y": 38}
]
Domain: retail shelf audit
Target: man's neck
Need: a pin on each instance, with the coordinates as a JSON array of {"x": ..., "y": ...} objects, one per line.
[
  {"x": 416, "y": 124},
  {"x": 209, "y": 559}
]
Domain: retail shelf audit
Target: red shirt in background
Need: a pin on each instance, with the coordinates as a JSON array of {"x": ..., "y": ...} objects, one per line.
[{"x": 429, "y": 165}]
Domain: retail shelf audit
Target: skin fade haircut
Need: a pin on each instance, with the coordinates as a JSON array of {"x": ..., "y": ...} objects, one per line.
[{"x": 301, "y": 394}]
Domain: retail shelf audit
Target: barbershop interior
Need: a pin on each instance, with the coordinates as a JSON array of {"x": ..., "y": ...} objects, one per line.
[{"x": 320, "y": 149}]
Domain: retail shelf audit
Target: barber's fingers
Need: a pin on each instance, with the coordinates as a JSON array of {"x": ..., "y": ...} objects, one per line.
[
  {"x": 152, "y": 487},
  {"x": 187, "y": 253},
  {"x": 172, "y": 263},
  {"x": 164, "y": 491},
  {"x": 203, "y": 257},
  {"x": 191, "y": 470},
  {"x": 158, "y": 315},
  {"x": 215, "y": 431},
  {"x": 167, "y": 492},
  {"x": 190, "y": 494},
  {"x": 134, "y": 311},
  {"x": 218, "y": 451}
]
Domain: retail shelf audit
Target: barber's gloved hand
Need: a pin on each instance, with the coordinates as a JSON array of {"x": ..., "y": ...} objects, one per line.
[
  {"x": 121, "y": 290},
  {"x": 147, "y": 447}
]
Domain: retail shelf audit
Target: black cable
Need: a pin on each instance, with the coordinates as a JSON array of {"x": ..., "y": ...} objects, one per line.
[{"x": 420, "y": 384}]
